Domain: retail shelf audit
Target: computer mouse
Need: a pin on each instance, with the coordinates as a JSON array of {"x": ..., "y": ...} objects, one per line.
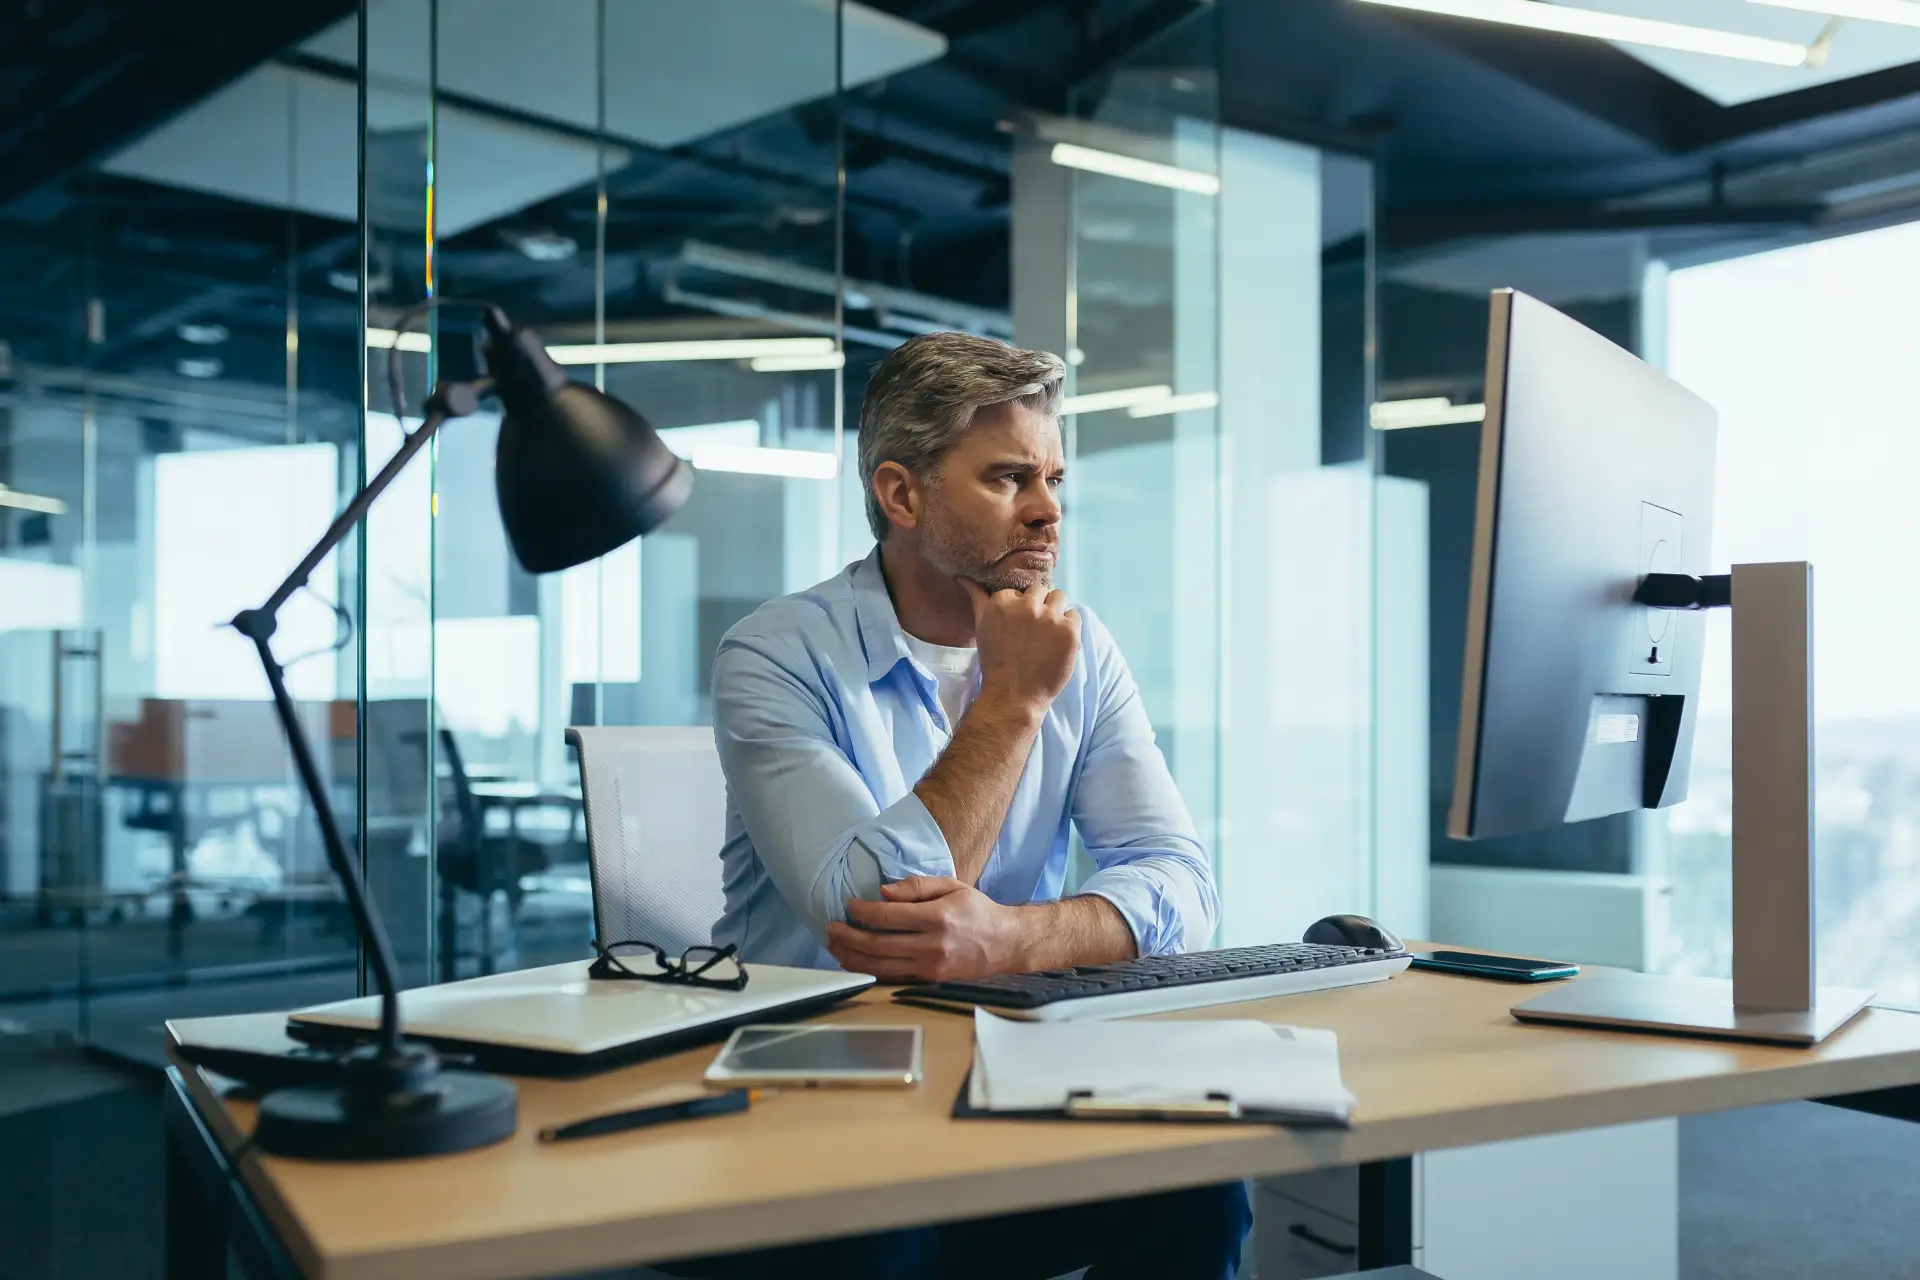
[{"x": 1350, "y": 931}]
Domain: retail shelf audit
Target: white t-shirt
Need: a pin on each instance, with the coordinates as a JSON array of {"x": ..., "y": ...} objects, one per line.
[{"x": 952, "y": 670}]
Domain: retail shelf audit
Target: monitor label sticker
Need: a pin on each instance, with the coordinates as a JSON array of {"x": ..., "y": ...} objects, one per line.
[{"x": 1611, "y": 728}]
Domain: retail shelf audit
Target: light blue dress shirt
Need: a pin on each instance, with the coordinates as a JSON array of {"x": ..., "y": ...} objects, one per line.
[{"x": 825, "y": 722}]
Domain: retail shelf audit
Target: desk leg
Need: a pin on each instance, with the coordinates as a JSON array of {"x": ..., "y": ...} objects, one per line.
[
  {"x": 196, "y": 1243},
  {"x": 179, "y": 906},
  {"x": 1386, "y": 1214},
  {"x": 1899, "y": 1103},
  {"x": 214, "y": 1228}
]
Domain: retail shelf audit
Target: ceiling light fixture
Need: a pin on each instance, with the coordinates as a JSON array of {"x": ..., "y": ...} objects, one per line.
[
  {"x": 542, "y": 246},
  {"x": 1175, "y": 404},
  {"x": 713, "y": 349},
  {"x": 731, "y": 446},
  {"x": 413, "y": 340},
  {"x": 31, "y": 502},
  {"x": 1616, "y": 26},
  {"x": 759, "y": 460},
  {"x": 797, "y": 364},
  {"x": 1099, "y": 401},
  {"x": 1114, "y": 165},
  {"x": 1424, "y": 411},
  {"x": 1902, "y": 13},
  {"x": 648, "y": 352}
]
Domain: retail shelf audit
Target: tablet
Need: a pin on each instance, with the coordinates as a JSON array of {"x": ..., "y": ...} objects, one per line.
[{"x": 857, "y": 1057}]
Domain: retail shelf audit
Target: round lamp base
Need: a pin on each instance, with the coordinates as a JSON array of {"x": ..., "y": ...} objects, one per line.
[{"x": 455, "y": 1111}]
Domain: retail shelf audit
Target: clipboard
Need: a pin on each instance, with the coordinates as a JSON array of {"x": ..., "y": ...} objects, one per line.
[{"x": 1214, "y": 1108}]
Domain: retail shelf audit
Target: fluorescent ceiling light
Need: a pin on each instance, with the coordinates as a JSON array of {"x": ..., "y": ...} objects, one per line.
[
  {"x": 1115, "y": 165},
  {"x": 1175, "y": 404},
  {"x": 1426, "y": 411},
  {"x": 744, "y": 431},
  {"x": 31, "y": 502},
  {"x": 414, "y": 340},
  {"x": 712, "y": 349},
  {"x": 1904, "y": 13},
  {"x": 797, "y": 364},
  {"x": 1098, "y": 401},
  {"x": 732, "y": 446},
  {"x": 758, "y": 460},
  {"x": 651, "y": 352},
  {"x": 1616, "y": 26}
]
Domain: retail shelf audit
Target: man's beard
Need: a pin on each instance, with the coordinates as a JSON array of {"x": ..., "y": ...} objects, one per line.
[{"x": 959, "y": 553}]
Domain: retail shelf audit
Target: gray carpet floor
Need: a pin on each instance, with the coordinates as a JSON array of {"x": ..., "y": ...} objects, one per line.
[{"x": 1799, "y": 1192}]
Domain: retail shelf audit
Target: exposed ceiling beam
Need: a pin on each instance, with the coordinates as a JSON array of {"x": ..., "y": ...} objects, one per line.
[
  {"x": 1784, "y": 110},
  {"x": 1415, "y": 228},
  {"x": 1591, "y": 76},
  {"x": 981, "y": 16},
  {"x": 1131, "y": 36},
  {"x": 162, "y": 58},
  {"x": 1620, "y": 90}
]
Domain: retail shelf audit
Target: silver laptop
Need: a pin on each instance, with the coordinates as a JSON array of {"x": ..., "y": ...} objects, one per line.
[{"x": 557, "y": 1021}]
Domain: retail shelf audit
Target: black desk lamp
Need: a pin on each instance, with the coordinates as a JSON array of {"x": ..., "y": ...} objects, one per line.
[{"x": 577, "y": 473}]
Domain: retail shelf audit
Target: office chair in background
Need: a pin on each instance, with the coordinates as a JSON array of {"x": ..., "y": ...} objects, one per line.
[{"x": 656, "y": 805}]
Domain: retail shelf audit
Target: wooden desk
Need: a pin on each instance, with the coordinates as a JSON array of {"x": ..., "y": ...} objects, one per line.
[{"x": 1435, "y": 1062}]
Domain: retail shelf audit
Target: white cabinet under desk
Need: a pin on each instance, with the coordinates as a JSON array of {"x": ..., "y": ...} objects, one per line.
[{"x": 1600, "y": 1204}]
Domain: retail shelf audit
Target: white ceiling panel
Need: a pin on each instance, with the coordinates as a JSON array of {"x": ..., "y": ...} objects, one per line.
[
  {"x": 1857, "y": 48},
  {"x": 274, "y": 137},
  {"x": 288, "y": 139},
  {"x": 677, "y": 70}
]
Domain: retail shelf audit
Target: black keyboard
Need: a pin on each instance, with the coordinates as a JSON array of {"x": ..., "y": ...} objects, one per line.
[{"x": 1156, "y": 983}]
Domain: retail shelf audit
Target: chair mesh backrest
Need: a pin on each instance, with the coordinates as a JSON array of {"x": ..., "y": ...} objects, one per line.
[{"x": 656, "y": 805}]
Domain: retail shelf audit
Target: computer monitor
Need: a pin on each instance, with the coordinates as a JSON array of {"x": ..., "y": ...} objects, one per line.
[
  {"x": 1595, "y": 470},
  {"x": 1590, "y": 566}
]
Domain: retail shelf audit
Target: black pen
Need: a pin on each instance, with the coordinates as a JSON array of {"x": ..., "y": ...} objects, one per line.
[{"x": 718, "y": 1104}]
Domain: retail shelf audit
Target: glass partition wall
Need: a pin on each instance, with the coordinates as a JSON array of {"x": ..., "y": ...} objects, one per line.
[
  {"x": 1141, "y": 338},
  {"x": 725, "y": 214},
  {"x": 179, "y": 419},
  {"x": 654, "y": 189},
  {"x": 1212, "y": 291},
  {"x": 196, "y": 335}
]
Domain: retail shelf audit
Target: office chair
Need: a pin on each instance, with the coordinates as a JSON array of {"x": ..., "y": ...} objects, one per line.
[
  {"x": 403, "y": 778},
  {"x": 656, "y": 806}
]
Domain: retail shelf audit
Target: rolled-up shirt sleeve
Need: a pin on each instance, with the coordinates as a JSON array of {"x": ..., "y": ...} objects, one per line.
[
  {"x": 1150, "y": 863},
  {"x": 815, "y": 824}
]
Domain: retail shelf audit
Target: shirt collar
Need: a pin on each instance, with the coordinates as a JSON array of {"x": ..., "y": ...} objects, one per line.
[{"x": 880, "y": 633}]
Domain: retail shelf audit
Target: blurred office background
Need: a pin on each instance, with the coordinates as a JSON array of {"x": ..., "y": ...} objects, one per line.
[{"x": 1262, "y": 236}]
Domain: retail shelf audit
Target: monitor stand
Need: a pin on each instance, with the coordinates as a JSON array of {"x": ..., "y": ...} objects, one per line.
[{"x": 1773, "y": 996}]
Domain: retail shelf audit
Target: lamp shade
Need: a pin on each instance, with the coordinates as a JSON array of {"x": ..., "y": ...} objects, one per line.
[{"x": 577, "y": 471}]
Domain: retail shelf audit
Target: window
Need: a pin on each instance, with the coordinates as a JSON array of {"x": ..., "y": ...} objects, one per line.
[{"x": 1812, "y": 356}]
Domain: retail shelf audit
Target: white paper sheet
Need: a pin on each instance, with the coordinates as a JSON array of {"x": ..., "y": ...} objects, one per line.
[{"x": 1021, "y": 1066}]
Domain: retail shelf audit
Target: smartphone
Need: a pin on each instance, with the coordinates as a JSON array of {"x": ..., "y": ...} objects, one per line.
[
  {"x": 847, "y": 1057},
  {"x": 1505, "y": 968}
]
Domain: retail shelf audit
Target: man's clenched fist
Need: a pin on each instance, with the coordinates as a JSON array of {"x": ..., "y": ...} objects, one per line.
[{"x": 1028, "y": 640}]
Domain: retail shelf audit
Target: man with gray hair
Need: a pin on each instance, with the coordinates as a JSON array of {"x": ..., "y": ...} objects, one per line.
[
  {"x": 905, "y": 746},
  {"x": 906, "y": 743}
]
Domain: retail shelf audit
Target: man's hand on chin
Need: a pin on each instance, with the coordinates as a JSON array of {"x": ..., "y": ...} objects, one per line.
[{"x": 929, "y": 929}]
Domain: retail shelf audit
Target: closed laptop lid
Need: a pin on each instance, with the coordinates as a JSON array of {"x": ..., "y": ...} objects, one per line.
[{"x": 559, "y": 1009}]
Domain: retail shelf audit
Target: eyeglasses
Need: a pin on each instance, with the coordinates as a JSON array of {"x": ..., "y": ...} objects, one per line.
[{"x": 717, "y": 967}]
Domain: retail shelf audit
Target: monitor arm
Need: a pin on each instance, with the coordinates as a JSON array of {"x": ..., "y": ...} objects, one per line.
[
  {"x": 1684, "y": 591},
  {"x": 1775, "y": 994}
]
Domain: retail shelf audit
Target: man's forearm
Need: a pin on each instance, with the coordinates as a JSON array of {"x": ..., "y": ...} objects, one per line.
[
  {"x": 1081, "y": 930},
  {"x": 971, "y": 785}
]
